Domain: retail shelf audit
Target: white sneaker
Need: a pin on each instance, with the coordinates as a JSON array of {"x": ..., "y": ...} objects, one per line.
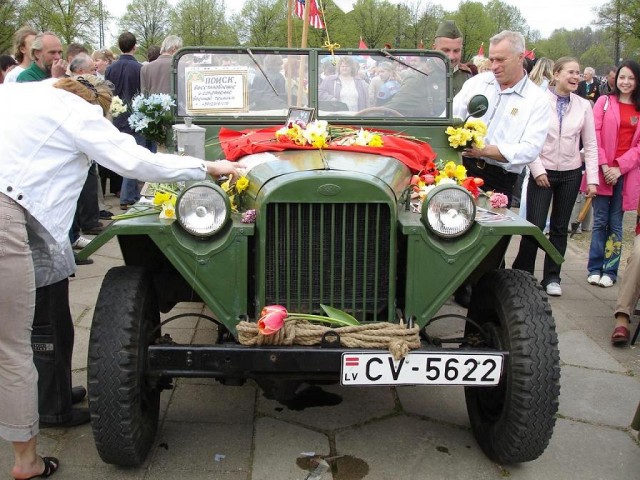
[
  {"x": 80, "y": 243},
  {"x": 593, "y": 279},
  {"x": 554, "y": 289},
  {"x": 605, "y": 281}
]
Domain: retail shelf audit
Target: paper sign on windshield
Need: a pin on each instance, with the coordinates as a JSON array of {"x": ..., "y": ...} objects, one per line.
[{"x": 215, "y": 90}]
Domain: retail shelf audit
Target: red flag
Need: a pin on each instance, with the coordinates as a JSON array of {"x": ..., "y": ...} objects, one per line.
[
  {"x": 530, "y": 54},
  {"x": 481, "y": 50},
  {"x": 362, "y": 45},
  {"x": 314, "y": 14}
]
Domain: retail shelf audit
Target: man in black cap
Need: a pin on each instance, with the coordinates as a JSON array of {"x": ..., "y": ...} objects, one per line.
[{"x": 449, "y": 41}]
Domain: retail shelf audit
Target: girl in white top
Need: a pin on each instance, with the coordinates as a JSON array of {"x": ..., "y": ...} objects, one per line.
[{"x": 23, "y": 39}]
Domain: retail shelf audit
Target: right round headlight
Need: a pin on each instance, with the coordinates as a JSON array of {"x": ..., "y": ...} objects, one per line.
[
  {"x": 203, "y": 209},
  {"x": 449, "y": 211}
]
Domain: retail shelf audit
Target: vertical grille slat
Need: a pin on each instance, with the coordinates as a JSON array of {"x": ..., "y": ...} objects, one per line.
[{"x": 335, "y": 254}]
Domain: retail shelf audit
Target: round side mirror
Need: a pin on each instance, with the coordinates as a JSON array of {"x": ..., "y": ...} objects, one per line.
[{"x": 478, "y": 105}]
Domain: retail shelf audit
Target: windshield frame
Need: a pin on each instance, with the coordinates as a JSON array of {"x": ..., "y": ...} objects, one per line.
[{"x": 314, "y": 64}]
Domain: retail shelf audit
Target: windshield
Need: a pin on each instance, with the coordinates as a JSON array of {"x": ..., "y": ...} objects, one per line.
[{"x": 249, "y": 84}]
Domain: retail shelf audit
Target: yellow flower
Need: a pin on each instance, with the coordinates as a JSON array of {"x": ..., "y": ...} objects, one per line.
[
  {"x": 460, "y": 173},
  {"x": 612, "y": 247},
  {"x": 478, "y": 141},
  {"x": 168, "y": 210},
  {"x": 161, "y": 197},
  {"x": 318, "y": 141},
  {"x": 376, "y": 141},
  {"x": 477, "y": 126},
  {"x": 450, "y": 169},
  {"x": 242, "y": 184}
]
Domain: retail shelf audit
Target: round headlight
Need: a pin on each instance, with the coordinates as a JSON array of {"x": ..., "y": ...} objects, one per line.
[
  {"x": 449, "y": 211},
  {"x": 203, "y": 209}
]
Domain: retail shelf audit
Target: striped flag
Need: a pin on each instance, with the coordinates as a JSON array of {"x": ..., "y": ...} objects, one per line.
[{"x": 314, "y": 14}]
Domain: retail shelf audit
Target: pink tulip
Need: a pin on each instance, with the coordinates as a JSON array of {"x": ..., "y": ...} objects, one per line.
[
  {"x": 428, "y": 179},
  {"x": 272, "y": 319},
  {"x": 273, "y": 308}
]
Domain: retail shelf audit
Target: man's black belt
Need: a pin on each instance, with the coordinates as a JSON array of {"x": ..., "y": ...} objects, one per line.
[{"x": 479, "y": 164}]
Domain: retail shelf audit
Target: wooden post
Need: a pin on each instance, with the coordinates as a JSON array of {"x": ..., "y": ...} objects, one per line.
[
  {"x": 290, "y": 23},
  {"x": 303, "y": 44}
]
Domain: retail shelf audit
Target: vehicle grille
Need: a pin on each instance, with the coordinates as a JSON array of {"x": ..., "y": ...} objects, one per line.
[{"x": 334, "y": 254}]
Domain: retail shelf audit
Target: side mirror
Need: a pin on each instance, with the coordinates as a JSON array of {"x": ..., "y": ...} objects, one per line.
[{"x": 478, "y": 105}]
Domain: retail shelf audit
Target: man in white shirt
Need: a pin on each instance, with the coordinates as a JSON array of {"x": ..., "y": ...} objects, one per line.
[{"x": 517, "y": 117}]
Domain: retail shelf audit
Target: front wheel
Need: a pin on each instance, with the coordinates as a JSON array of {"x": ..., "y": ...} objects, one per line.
[
  {"x": 513, "y": 421},
  {"x": 124, "y": 405}
]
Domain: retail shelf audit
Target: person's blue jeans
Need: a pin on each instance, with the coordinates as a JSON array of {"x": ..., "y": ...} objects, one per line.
[
  {"x": 130, "y": 192},
  {"x": 606, "y": 237}
]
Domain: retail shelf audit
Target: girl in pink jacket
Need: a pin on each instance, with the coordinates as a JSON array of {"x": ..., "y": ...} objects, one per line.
[{"x": 617, "y": 120}]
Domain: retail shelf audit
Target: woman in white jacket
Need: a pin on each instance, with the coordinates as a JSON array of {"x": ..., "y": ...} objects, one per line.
[
  {"x": 47, "y": 135},
  {"x": 556, "y": 174}
]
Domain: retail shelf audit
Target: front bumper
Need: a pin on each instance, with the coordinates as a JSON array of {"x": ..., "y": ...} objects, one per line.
[{"x": 233, "y": 361}]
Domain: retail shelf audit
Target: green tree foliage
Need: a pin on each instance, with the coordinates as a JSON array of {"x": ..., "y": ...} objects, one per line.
[
  {"x": 476, "y": 26},
  {"x": 262, "y": 23},
  {"x": 202, "y": 22},
  {"x": 621, "y": 16},
  {"x": 148, "y": 20},
  {"x": 422, "y": 23},
  {"x": 8, "y": 24},
  {"x": 71, "y": 20},
  {"x": 620, "y": 22},
  {"x": 506, "y": 17},
  {"x": 555, "y": 46},
  {"x": 598, "y": 57},
  {"x": 378, "y": 22}
]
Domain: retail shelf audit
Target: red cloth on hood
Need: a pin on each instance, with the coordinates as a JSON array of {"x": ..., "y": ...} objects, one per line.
[{"x": 236, "y": 144}]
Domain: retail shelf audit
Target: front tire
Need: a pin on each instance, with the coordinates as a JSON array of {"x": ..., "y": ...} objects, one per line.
[
  {"x": 513, "y": 422},
  {"x": 124, "y": 406}
]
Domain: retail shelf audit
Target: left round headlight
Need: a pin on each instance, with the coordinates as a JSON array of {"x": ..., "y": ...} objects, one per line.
[
  {"x": 203, "y": 209},
  {"x": 449, "y": 211}
]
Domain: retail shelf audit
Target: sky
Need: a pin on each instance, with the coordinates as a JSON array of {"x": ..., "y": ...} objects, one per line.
[{"x": 543, "y": 15}]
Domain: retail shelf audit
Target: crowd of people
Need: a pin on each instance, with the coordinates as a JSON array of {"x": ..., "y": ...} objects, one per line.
[{"x": 561, "y": 130}]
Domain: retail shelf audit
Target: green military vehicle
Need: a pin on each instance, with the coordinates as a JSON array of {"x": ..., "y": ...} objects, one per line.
[{"x": 335, "y": 227}]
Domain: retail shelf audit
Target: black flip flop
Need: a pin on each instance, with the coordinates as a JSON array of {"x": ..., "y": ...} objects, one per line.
[{"x": 51, "y": 465}]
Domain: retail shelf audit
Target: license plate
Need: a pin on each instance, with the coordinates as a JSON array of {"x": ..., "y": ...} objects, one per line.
[{"x": 421, "y": 368}]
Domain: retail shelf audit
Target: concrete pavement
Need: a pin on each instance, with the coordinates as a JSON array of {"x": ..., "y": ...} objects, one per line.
[{"x": 210, "y": 431}]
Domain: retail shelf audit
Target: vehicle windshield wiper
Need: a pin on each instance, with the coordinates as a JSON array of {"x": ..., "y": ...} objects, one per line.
[
  {"x": 262, "y": 71},
  {"x": 402, "y": 62}
]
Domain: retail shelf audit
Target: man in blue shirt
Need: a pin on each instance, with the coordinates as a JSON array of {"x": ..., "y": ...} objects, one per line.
[{"x": 124, "y": 73}]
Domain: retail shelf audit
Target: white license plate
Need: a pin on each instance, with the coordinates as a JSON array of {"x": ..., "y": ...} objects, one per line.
[{"x": 421, "y": 368}]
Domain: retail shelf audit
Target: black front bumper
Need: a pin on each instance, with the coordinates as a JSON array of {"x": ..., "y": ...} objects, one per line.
[{"x": 233, "y": 361}]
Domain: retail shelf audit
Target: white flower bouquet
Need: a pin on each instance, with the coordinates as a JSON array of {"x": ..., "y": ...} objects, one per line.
[{"x": 151, "y": 116}]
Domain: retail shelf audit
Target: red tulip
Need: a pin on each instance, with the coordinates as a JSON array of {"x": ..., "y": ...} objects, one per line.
[
  {"x": 272, "y": 319},
  {"x": 415, "y": 179}
]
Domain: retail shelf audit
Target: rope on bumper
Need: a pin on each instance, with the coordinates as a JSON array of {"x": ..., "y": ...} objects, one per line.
[{"x": 397, "y": 338}]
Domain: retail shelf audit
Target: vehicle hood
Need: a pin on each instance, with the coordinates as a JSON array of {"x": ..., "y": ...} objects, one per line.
[{"x": 263, "y": 167}]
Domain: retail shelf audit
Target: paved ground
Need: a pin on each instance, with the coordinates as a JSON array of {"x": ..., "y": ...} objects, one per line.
[{"x": 212, "y": 431}]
